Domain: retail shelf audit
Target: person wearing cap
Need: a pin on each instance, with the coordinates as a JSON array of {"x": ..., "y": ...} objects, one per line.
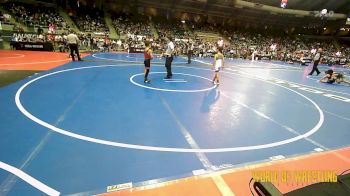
[
  {"x": 73, "y": 42},
  {"x": 317, "y": 59}
]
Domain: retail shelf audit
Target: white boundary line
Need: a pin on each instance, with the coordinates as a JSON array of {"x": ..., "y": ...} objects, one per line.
[
  {"x": 307, "y": 85},
  {"x": 116, "y": 60},
  {"x": 30, "y": 180},
  {"x": 39, "y": 62},
  {"x": 318, "y": 88},
  {"x": 266, "y": 68},
  {"x": 290, "y": 81},
  {"x": 172, "y": 79},
  {"x": 188, "y": 137},
  {"x": 132, "y": 57},
  {"x": 175, "y": 81},
  {"x": 287, "y": 66},
  {"x": 20, "y": 56},
  {"x": 318, "y": 81},
  {"x": 163, "y": 149},
  {"x": 172, "y": 90},
  {"x": 128, "y": 56},
  {"x": 312, "y": 78}
]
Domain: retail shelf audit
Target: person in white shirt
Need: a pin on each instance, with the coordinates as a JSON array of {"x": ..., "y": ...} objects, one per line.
[
  {"x": 119, "y": 44},
  {"x": 58, "y": 38},
  {"x": 41, "y": 38},
  {"x": 254, "y": 55},
  {"x": 169, "y": 57},
  {"x": 73, "y": 42},
  {"x": 317, "y": 59},
  {"x": 220, "y": 43}
]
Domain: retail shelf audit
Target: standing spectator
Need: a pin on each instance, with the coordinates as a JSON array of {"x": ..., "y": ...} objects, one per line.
[
  {"x": 0, "y": 28},
  {"x": 13, "y": 42},
  {"x": 220, "y": 43}
]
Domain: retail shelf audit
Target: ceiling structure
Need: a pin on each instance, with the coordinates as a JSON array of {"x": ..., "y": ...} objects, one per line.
[
  {"x": 230, "y": 9},
  {"x": 339, "y": 6}
]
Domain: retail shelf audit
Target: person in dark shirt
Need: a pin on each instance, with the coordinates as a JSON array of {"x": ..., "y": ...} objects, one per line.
[
  {"x": 332, "y": 77},
  {"x": 40, "y": 31}
]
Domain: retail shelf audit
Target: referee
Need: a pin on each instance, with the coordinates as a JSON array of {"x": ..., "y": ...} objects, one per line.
[
  {"x": 317, "y": 59},
  {"x": 73, "y": 41},
  {"x": 169, "y": 58},
  {"x": 189, "y": 52}
]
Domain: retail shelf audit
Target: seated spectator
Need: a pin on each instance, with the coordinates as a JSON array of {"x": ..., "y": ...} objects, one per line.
[
  {"x": 35, "y": 15},
  {"x": 89, "y": 19}
]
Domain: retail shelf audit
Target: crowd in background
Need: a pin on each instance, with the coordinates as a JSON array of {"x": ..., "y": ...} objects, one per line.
[
  {"x": 89, "y": 19},
  {"x": 172, "y": 28},
  {"x": 37, "y": 15},
  {"x": 133, "y": 30},
  {"x": 134, "y": 27},
  {"x": 242, "y": 44},
  {"x": 4, "y": 18}
]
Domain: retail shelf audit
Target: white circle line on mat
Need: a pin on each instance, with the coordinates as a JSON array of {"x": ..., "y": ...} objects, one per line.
[
  {"x": 29, "y": 179},
  {"x": 131, "y": 61},
  {"x": 172, "y": 90},
  {"x": 39, "y": 62},
  {"x": 156, "y": 148}
]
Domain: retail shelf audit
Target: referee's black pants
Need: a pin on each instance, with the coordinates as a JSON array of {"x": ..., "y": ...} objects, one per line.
[
  {"x": 315, "y": 68},
  {"x": 74, "y": 48},
  {"x": 168, "y": 61},
  {"x": 189, "y": 55}
]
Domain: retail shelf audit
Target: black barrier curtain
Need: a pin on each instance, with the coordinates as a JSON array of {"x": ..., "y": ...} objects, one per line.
[
  {"x": 136, "y": 50},
  {"x": 44, "y": 46}
]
